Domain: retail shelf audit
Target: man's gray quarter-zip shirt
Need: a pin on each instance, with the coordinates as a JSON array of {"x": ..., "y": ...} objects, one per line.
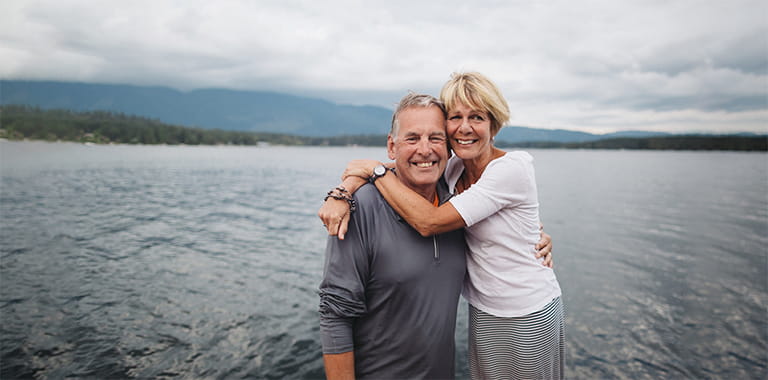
[{"x": 390, "y": 294}]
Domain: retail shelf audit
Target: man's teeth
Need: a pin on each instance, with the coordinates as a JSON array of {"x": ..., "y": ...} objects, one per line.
[
  {"x": 424, "y": 164},
  {"x": 465, "y": 142}
]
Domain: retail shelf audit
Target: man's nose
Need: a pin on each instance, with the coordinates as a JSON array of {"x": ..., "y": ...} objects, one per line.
[{"x": 423, "y": 147}]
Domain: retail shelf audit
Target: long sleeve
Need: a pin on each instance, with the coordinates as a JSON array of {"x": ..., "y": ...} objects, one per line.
[{"x": 342, "y": 291}]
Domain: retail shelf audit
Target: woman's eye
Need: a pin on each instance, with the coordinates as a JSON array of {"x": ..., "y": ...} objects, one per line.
[{"x": 477, "y": 117}]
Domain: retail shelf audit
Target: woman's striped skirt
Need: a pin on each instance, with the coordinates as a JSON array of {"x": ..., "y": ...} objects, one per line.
[{"x": 527, "y": 347}]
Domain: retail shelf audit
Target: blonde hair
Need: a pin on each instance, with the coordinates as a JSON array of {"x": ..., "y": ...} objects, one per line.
[{"x": 476, "y": 91}]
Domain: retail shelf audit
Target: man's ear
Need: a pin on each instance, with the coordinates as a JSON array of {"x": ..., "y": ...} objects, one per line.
[{"x": 390, "y": 147}]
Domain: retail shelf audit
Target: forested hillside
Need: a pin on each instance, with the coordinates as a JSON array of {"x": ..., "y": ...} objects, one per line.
[{"x": 25, "y": 122}]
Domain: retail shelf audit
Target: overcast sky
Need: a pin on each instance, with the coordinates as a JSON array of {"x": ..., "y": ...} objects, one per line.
[{"x": 596, "y": 66}]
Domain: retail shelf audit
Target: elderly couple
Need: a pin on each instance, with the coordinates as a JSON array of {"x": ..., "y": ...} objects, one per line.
[{"x": 414, "y": 234}]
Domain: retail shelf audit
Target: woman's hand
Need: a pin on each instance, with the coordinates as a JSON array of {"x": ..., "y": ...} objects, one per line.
[
  {"x": 544, "y": 249},
  {"x": 360, "y": 168},
  {"x": 335, "y": 213},
  {"x": 335, "y": 216}
]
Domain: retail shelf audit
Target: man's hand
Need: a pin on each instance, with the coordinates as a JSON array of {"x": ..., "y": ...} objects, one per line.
[{"x": 544, "y": 249}]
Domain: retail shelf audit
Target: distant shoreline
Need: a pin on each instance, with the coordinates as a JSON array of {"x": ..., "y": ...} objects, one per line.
[
  {"x": 510, "y": 147},
  {"x": 100, "y": 127}
]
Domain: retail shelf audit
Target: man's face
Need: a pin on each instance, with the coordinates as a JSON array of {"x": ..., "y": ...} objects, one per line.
[{"x": 419, "y": 149}]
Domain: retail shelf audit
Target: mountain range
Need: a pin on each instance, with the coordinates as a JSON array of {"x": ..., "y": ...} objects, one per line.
[{"x": 255, "y": 111}]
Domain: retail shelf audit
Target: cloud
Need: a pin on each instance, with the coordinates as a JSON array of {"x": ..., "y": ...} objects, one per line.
[{"x": 589, "y": 65}]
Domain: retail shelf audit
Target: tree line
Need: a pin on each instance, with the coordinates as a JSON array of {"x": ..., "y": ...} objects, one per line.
[
  {"x": 19, "y": 122},
  {"x": 26, "y": 122},
  {"x": 676, "y": 142},
  {"x": 684, "y": 142}
]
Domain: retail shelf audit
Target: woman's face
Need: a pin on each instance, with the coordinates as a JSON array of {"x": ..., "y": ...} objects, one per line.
[{"x": 469, "y": 132}]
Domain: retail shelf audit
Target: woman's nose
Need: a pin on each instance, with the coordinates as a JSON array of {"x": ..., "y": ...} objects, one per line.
[{"x": 465, "y": 127}]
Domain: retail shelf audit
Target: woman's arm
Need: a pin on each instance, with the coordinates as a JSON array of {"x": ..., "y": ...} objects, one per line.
[
  {"x": 417, "y": 211},
  {"x": 430, "y": 219},
  {"x": 420, "y": 213}
]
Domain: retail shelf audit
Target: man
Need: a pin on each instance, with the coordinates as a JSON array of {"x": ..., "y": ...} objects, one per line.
[{"x": 389, "y": 296}]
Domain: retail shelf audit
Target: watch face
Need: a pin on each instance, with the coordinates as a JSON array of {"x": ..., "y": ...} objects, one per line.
[{"x": 379, "y": 170}]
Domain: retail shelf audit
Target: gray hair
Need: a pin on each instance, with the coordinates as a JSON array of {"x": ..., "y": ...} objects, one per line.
[{"x": 414, "y": 100}]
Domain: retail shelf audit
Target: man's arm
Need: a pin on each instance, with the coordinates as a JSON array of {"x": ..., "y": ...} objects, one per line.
[
  {"x": 340, "y": 366},
  {"x": 342, "y": 296},
  {"x": 544, "y": 248}
]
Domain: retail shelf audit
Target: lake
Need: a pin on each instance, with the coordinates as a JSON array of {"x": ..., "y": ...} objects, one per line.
[{"x": 204, "y": 262}]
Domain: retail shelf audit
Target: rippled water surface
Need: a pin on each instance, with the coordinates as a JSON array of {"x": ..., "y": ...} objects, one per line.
[{"x": 203, "y": 262}]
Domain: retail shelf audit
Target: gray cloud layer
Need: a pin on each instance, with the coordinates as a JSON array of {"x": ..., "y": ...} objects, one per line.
[{"x": 589, "y": 65}]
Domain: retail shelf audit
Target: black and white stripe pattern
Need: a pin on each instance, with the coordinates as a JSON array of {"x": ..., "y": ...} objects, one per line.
[{"x": 527, "y": 347}]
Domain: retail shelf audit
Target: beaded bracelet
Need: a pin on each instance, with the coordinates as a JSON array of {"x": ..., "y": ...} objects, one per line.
[{"x": 340, "y": 193}]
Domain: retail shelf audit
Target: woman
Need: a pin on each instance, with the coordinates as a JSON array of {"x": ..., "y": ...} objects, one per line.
[{"x": 516, "y": 325}]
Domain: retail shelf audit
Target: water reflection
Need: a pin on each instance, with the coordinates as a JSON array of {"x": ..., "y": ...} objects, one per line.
[{"x": 203, "y": 262}]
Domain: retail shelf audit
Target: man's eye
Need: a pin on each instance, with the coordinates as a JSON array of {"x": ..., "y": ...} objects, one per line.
[{"x": 437, "y": 139}]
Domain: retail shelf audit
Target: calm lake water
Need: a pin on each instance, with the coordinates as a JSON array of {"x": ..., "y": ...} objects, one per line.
[{"x": 203, "y": 262}]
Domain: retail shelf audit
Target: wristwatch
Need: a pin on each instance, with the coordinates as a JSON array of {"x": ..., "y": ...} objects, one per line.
[{"x": 378, "y": 171}]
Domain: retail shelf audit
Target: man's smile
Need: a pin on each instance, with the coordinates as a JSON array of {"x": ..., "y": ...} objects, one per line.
[{"x": 427, "y": 164}]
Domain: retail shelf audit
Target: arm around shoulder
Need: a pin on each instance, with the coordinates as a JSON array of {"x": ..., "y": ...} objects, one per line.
[{"x": 420, "y": 213}]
